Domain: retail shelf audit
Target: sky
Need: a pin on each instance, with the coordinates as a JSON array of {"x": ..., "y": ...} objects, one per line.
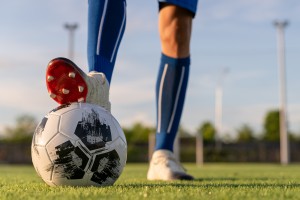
[{"x": 237, "y": 35}]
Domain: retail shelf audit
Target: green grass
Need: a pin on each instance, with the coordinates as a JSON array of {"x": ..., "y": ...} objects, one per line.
[{"x": 213, "y": 181}]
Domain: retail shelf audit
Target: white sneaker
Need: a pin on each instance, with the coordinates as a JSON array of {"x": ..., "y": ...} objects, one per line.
[
  {"x": 67, "y": 83},
  {"x": 164, "y": 166}
]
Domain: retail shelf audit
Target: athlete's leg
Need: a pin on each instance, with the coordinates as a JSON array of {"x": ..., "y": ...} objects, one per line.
[
  {"x": 106, "y": 25},
  {"x": 175, "y": 25}
]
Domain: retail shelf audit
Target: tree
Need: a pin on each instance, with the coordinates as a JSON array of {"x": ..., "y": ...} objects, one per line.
[
  {"x": 208, "y": 131},
  {"x": 137, "y": 137},
  {"x": 22, "y": 130},
  {"x": 182, "y": 132},
  {"x": 271, "y": 126},
  {"x": 245, "y": 134},
  {"x": 138, "y": 133}
]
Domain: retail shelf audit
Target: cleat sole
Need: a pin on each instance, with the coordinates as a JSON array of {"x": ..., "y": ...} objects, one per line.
[
  {"x": 80, "y": 88},
  {"x": 67, "y": 75},
  {"x": 72, "y": 75},
  {"x": 65, "y": 91},
  {"x": 52, "y": 95},
  {"x": 50, "y": 78}
]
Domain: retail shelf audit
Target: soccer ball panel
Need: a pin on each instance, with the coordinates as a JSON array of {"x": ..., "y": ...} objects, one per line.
[
  {"x": 58, "y": 144},
  {"x": 106, "y": 168},
  {"x": 47, "y": 128},
  {"x": 65, "y": 179},
  {"x": 68, "y": 120},
  {"x": 41, "y": 162},
  {"x": 121, "y": 148},
  {"x": 119, "y": 129}
]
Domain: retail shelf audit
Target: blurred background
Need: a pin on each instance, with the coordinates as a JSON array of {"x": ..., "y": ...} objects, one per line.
[{"x": 234, "y": 50}]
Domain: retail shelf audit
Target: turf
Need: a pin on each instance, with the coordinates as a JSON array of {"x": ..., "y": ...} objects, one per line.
[{"x": 213, "y": 181}]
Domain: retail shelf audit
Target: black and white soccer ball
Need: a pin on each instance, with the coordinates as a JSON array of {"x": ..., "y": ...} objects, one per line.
[{"x": 79, "y": 144}]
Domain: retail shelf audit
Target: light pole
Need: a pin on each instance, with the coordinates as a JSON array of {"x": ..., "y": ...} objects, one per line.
[
  {"x": 71, "y": 28},
  {"x": 219, "y": 109},
  {"x": 284, "y": 141}
]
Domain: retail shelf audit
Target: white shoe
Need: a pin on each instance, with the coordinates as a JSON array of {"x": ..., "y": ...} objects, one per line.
[
  {"x": 67, "y": 83},
  {"x": 164, "y": 166}
]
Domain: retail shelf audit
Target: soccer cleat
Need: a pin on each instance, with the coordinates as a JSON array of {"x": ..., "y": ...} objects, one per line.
[
  {"x": 164, "y": 166},
  {"x": 67, "y": 83}
]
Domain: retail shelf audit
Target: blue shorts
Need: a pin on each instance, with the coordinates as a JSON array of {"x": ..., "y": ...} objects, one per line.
[{"x": 190, "y": 5}]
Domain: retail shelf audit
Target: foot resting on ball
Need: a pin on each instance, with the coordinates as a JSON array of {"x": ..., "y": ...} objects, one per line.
[
  {"x": 164, "y": 166},
  {"x": 67, "y": 83}
]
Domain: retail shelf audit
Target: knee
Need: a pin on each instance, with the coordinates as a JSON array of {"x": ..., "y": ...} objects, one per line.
[{"x": 175, "y": 33}]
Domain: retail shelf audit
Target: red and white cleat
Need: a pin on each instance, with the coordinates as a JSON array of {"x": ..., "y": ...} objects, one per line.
[{"x": 67, "y": 83}]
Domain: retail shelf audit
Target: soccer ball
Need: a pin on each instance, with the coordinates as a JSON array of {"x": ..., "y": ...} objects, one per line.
[{"x": 79, "y": 144}]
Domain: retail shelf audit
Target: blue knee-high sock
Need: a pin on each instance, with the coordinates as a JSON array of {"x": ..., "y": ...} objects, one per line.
[
  {"x": 170, "y": 94},
  {"x": 106, "y": 25}
]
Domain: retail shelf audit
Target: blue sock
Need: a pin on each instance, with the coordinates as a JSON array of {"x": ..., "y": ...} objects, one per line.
[
  {"x": 170, "y": 94},
  {"x": 106, "y": 25}
]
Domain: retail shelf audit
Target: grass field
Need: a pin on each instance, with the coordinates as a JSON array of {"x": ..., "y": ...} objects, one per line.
[{"x": 213, "y": 181}]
